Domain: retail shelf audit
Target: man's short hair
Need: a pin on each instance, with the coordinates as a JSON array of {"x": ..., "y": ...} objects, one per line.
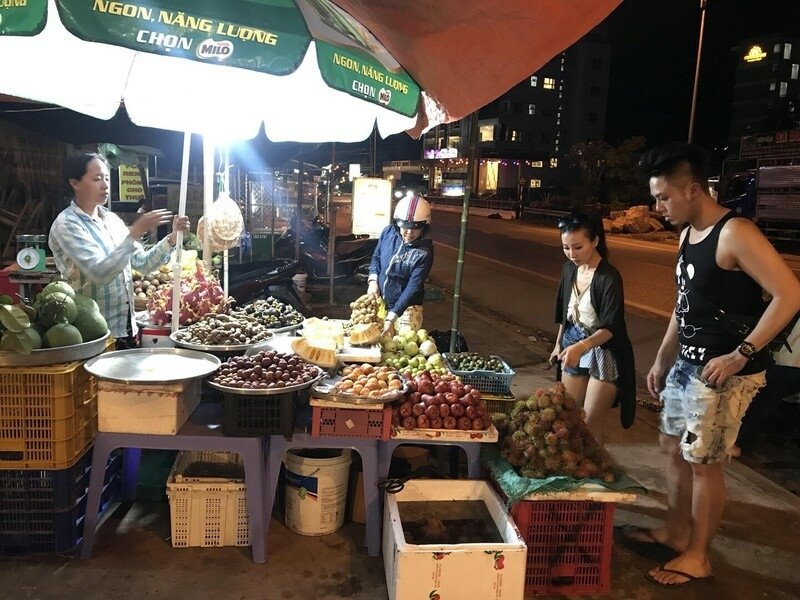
[{"x": 670, "y": 159}]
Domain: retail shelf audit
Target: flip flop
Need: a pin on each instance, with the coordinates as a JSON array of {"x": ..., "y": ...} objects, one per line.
[
  {"x": 689, "y": 578},
  {"x": 654, "y": 550}
]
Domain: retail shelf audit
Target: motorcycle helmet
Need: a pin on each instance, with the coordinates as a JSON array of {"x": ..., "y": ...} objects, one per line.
[{"x": 412, "y": 212}]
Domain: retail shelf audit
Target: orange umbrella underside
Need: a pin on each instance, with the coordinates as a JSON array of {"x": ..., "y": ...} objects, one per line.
[{"x": 466, "y": 53}]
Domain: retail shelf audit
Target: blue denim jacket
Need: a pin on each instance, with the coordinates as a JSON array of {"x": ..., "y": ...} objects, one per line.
[{"x": 401, "y": 269}]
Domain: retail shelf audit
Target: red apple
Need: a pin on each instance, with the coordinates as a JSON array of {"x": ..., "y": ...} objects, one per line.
[
  {"x": 449, "y": 422},
  {"x": 472, "y": 412},
  {"x": 467, "y": 388},
  {"x": 410, "y": 423},
  {"x": 464, "y": 424},
  {"x": 415, "y": 397},
  {"x": 457, "y": 410},
  {"x": 423, "y": 422},
  {"x": 444, "y": 410},
  {"x": 451, "y": 398},
  {"x": 432, "y": 411},
  {"x": 467, "y": 400},
  {"x": 412, "y": 386},
  {"x": 406, "y": 409},
  {"x": 418, "y": 409},
  {"x": 436, "y": 423},
  {"x": 478, "y": 424},
  {"x": 427, "y": 399},
  {"x": 441, "y": 387}
]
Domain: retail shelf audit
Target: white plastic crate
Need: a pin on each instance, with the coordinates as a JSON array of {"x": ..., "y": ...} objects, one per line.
[{"x": 208, "y": 510}]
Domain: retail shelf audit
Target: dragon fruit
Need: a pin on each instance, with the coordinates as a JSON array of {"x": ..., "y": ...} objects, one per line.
[{"x": 201, "y": 294}]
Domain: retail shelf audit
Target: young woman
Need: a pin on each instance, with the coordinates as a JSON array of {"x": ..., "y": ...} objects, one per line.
[
  {"x": 401, "y": 263},
  {"x": 592, "y": 345},
  {"x": 94, "y": 250}
]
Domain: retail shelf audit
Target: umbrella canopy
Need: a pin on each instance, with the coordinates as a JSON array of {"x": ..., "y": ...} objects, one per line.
[
  {"x": 307, "y": 69},
  {"x": 303, "y": 68}
]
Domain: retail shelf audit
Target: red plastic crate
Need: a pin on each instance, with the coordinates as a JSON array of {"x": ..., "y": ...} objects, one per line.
[
  {"x": 373, "y": 423},
  {"x": 569, "y": 546}
]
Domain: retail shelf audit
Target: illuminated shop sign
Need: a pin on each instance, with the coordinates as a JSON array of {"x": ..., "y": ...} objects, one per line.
[{"x": 755, "y": 54}]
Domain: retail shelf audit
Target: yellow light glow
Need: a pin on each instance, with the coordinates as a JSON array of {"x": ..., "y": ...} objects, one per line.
[{"x": 755, "y": 54}]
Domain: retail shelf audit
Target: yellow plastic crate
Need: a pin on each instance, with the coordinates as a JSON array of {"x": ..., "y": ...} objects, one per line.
[
  {"x": 208, "y": 500},
  {"x": 48, "y": 415}
]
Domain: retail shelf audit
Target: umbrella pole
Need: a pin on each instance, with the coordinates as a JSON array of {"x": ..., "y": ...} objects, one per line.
[
  {"x": 462, "y": 240},
  {"x": 176, "y": 268},
  {"x": 298, "y": 213},
  {"x": 331, "y": 230},
  {"x": 208, "y": 197}
]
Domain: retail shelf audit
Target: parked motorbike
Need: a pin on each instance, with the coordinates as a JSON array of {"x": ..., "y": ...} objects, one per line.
[
  {"x": 259, "y": 279},
  {"x": 353, "y": 252}
]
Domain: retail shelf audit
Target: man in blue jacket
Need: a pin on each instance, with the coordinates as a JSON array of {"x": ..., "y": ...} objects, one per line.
[{"x": 401, "y": 263}]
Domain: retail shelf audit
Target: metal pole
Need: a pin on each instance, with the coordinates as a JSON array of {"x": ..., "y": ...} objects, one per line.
[
  {"x": 462, "y": 242},
  {"x": 703, "y": 4},
  {"x": 331, "y": 222},
  {"x": 299, "y": 211},
  {"x": 272, "y": 224}
]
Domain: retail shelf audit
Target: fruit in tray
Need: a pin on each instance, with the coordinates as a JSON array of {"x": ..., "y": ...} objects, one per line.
[
  {"x": 315, "y": 352},
  {"x": 368, "y": 381},
  {"x": 412, "y": 352},
  {"x": 546, "y": 435},
  {"x": 146, "y": 285},
  {"x": 365, "y": 310},
  {"x": 365, "y": 334},
  {"x": 440, "y": 402},
  {"x": 271, "y": 312},
  {"x": 59, "y": 317},
  {"x": 201, "y": 294},
  {"x": 223, "y": 330},
  {"x": 264, "y": 370},
  {"x": 324, "y": 333},
  {"x": 472, "y": 361}
]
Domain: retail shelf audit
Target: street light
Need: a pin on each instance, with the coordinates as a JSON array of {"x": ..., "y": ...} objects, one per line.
[{"x": 703, "y": 4}]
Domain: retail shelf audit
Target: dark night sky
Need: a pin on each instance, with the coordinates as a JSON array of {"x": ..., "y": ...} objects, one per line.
[{"x": 654, "y": 45}]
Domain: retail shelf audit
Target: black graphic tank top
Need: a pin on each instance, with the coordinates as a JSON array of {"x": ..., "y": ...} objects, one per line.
[{"x": 700, "y": 335}]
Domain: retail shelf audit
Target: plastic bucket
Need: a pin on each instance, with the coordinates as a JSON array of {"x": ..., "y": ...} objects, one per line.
[
  {"x": 316, "y": 489},
  {"x": 299, "y": 281}
]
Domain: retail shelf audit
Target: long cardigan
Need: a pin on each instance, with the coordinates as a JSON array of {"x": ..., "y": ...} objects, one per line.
[{"x": 608, "y": 301}]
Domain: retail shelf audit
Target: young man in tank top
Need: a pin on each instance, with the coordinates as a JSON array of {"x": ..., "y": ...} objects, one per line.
[{"x": 706, "y": 375}]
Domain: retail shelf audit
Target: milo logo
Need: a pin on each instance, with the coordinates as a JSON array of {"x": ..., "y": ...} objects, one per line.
[
  {"x": 211, "y": 49},
  {"x": 384, "y": 96}
]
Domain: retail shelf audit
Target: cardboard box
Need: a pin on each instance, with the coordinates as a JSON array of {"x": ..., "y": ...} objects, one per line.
[
  {"x": 145, "y": 408},
  {"x": 485, "y": 571}
]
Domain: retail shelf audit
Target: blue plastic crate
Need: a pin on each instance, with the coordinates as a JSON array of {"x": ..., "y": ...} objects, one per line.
[
  {"x": 42, "y": 512},
  {"x": 489, "y": 382}
]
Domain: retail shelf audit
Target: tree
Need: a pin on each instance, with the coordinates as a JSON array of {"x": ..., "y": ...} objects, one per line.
[{"x": 607, "y": 174}]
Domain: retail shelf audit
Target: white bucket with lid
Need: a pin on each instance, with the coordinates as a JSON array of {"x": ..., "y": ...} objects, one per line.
[
  {"x": 299, "y": 281},
  {"x": 316, "y": 489}
]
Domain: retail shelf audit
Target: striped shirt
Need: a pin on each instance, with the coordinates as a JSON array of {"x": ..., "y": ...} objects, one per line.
[{"x": 95, "y": 256}]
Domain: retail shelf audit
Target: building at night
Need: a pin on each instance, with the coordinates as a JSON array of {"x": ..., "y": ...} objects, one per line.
[
  {"x": 767, "y": 90},
  {"x": 526, "y": 132}
]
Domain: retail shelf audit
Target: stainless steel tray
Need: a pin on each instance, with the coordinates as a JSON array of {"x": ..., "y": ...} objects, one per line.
[
  {"x": 324, "y": 391},
  {"x": 271, "y": 392},
  {"x": 203, "y": 348},
  {"x": 53, "y": 356},
  {"x": 286, "y": 329},
  {"x": 152, "y": 365}
]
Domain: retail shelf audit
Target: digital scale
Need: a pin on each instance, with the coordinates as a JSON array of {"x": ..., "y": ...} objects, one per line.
[{"x": 30, "y": 252}]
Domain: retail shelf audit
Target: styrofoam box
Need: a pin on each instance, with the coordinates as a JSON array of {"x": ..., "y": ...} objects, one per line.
[
  {"x": 485, "y": 571},
  {"x": 145, "y": 407}
]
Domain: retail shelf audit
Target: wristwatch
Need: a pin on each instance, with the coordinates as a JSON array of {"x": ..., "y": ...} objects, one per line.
[{"x": 747, "y": 350}]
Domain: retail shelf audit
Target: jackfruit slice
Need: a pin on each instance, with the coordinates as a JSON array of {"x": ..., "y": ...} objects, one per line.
[
  {"x": 365, "y": 334},
  {"x": 318, "y": 355}
]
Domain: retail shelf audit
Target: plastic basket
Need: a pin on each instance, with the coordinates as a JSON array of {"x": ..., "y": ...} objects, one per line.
[
  {"x": 32, "y": 520},
  {"x": 484, "y": 381},
  {"x": 51, "y": 490},
  {"x": 248, "y": 416},
  {"x": 48, "y": 415},
  {"x": 208, "y": 500},
  {"x": 500, "y": 405},
  {"x": 569, "y": 546},
  {"x": 351, "y": 422}
]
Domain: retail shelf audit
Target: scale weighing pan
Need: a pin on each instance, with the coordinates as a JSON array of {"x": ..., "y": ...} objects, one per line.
[{"x": 152, "y": 365}]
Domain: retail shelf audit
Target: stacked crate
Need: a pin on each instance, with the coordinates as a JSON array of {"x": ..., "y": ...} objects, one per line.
[{"x": 48, "y": 418}]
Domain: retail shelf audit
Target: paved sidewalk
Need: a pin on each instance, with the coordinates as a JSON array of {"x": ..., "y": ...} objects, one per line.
[{"x": 755, "y": 555}]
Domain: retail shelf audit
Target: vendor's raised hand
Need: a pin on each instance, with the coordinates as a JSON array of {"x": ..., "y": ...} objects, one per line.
[
  {"x": 178, "y": 224},
  {"x": 373, "y": 289},
  {"x": 148, "y": 221}
]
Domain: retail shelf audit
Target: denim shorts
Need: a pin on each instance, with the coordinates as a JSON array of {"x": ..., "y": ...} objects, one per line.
[
  {"x": 706, "y": 420},
  {"x": 597, "y": 363}
]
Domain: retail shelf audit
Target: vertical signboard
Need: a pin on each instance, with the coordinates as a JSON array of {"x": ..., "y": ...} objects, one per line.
[
  {"x": 131, "y": 186},
  {"x": 372, "y": 205}
]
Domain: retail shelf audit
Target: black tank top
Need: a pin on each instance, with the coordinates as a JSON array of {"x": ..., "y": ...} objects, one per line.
[{"x": 701, "y": 336}]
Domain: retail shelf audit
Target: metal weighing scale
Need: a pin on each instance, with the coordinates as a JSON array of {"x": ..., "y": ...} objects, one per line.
[{"x": 30, "y": 252}]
